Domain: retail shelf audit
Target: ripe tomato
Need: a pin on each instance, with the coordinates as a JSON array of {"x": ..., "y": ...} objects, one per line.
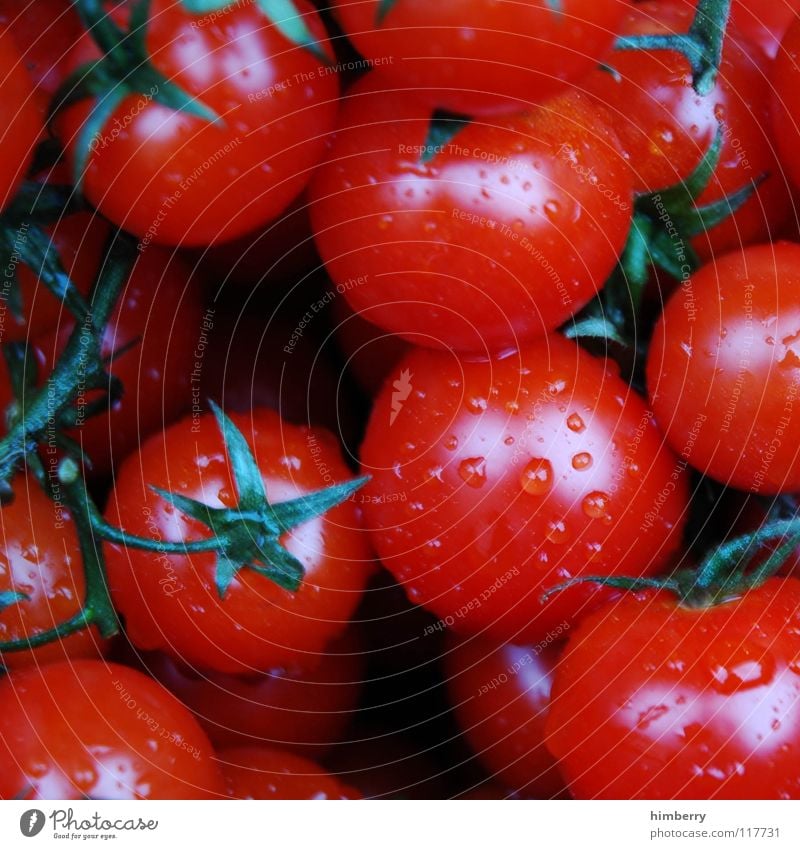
[
  {"x": 262, "y": 773},
  {"x": 653, "y": 700},
  {"x": 494, "y": 481},
  {"x": 786, "y": 101},
  {"x": 79, "y": 241},
  {"x": 41, "y": 559},
  {"x": 508, "y": 229},
  {"x": 481, "y": 56},
  {"x": 172, "y": 603},
  {"x": 175, "y": 178},
  {"x": 304, "y": 708},
  {"x": 20, "y": 118},
  {"x": 44, "y": 33},
  {"x": 89, "y": 728},
  {"x": 501, "y": 697},
  {"x": 724, "y": 369},
  {"x": 666, "y": 127}
]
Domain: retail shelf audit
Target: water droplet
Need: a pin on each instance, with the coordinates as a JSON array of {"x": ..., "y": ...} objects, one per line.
[
  {"x": 551, "y": 209},
  {"x": 537, "y": 477},
  {"x": 430, "y": 227},
  {"x": 649, "y": 716},
  {"x": 595, "y": 505},
  {"x": 473, "y": 471},
  {"x": 686, "y": 348},
  {"x": 476, "y": 405},
  {"x": 512, "y": 407},
  {"x": 451, "y": 443},
  {"x": 509, "y": 440},
  {"x": 557, "y": 531},
  {"x": 518, "y": 226},
  {"x": 556, "y": 387},
  {"x": 575, "y": 423},
  {"x": 384, "y": 222},
  {"x": 743, "y": 674},
  {"x": 582, "y": 461}
]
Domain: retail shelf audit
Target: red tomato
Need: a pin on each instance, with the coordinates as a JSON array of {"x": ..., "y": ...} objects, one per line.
[
  {"x": 89, "y": 728},
  {"x": 724, "y": 369},
  {"x": 786, "y": 102},
  {"x": 508, "y": 230},
  {"x": 665, "y": 127},
  {"x": 653, "y": 700},
  {"x": 40, "y": 558},
  {"x": 501, "y": 697},
  {"x": 79, "y": 241},
  {"x": 494, "y": 481},
  {"x": 172, "y": 604},
  {"x": 481, "y": 56},
  {"x": 20, "y": 119},
  {"x": 304, "y": 708},
  {"x": 261, "y": 773},
  {"x": 44, "y": 33},
  {"x": 175, "y": 178}
]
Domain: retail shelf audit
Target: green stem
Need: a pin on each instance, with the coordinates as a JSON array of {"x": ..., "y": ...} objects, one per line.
[
  {"x": 79, "y": 367},
  {"x": 702, "y": 45},
  {"x": 100, "y": 25}
]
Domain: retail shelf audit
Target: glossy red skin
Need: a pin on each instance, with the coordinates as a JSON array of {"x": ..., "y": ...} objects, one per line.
[
  {"x": 44, "y": 32},
  {"x": 501, "y": 697},
  {"x": 396, "y": 233},
  {"x": 40, "y": 557},
  {"x": 79, "y": 240},
  {"x": 665, "y": 127},
  {"x": 160, "y": 316},
  {"x": 761, "y": 22},
  {"x": 303, "y": 708},
  {"x": 20, "y": 119},
  {"x": 480, "y": 56},
  {"x": 656, "y": 701},
  {"x": 262, "y": 773},
  {"x": 89, "y": 728},
  {"x": 786, "y": 102},
  {"x": 481, "y": 498},
  {"x": 154, "y": 179},
  {"x": 172, "y": 604},
  {"x": 725, "y": 349}
]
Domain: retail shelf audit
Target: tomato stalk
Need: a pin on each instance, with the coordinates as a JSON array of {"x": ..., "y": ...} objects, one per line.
[{"x": 702, "y": 45}]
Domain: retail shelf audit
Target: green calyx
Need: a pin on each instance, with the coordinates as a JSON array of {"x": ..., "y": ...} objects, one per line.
[
  {"x": 725, "y": 573},
  {"x": 125, "y": 70},
  {"x": 283, "y": 14},
  {"x": 664, "y": 223},
  {"x": 443, "y": 127},
  {"x": 702, "y": 45},
  {"x": 248, "y": 535}
]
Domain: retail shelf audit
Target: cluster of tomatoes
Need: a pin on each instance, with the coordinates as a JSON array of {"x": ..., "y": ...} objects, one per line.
[{"x": 401, "y": 399}]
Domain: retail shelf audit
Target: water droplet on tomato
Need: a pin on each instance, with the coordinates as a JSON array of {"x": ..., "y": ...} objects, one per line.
[
  {"x": 384, "y": 222},
  {"x": 473, "y": 471},
  {"x": 537, "y": 477},
  {"x": 575, "y": 423},
  {"x": 476, "y": 405},
  {"x": 595, "y": 505},
  {"x": 744, "y": 674},
  {"x": 509, "y": 440},
  {"x": 451, "y": 443},
  {"x": 552, "y": 208},
  {"x": 557, "y": 531},
  {"x": 582, "y": 461}
]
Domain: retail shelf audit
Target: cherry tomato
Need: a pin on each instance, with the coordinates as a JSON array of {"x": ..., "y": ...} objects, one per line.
[
  {"x": 666, "y": 127},
  {"x": 652, "y": 700},
  {"x": 480, "y": 56},
  {"x": 262, "y": 773},
  {"x": 172, "y": 603},
  {"x": 41, "y": 559},
  {"x": 786, "y": 102},
  {"x": 494, "y": 481},
  {"x": 507, "y": 230},
  {"x": 44, "y": 33},
  {"x": 724, "y": 369},
  {"x": 501, "y": 697},
  {"x": 176, "y": 178},
  {"x": 89, "y": 728},
  {"x": 20, "y": 118},
  {"x": 303, "y": 708}
]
